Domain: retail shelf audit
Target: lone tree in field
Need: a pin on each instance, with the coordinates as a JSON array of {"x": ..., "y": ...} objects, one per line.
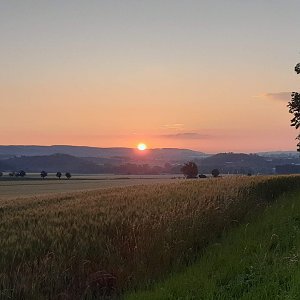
[
  {"x": 58, "y": 175},
  {"x": 190, "y": 170},
  {"x": 294, "y": 108},
  {"x": 215, "y": 172},
  {"x": 44, "y": 174},
  {"x": 68, "y": 175}
]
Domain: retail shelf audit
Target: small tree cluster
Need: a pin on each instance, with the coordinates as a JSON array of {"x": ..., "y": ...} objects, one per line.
[
  {"x": 21, "y": 173},
  {"x": 44, "y": 174},
  {"x": 190, "y": 170}
]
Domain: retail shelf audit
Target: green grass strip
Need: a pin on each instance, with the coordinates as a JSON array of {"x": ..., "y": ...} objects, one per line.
[{"x": 257, "y": 260}]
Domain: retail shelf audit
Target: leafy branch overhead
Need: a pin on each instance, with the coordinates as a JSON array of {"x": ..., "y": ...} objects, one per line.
[
  {"x": 297, "y": 68},
  {"x": 294, "y": 108}
]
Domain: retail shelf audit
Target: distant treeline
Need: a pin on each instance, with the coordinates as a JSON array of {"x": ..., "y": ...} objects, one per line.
[{"x": 226, "y": 163}]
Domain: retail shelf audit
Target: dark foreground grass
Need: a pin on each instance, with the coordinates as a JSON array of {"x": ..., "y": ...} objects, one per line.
[{"x": 257, "y": 260}]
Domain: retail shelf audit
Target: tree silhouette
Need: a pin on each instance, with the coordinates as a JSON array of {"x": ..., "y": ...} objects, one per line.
[
  {"x": 44, "y": 174},
  {"x": 297, "y": 68},
  {"x": 215, "y": 172},
  {"x": 21, "y": 174},
  {"x": 1, "y": 174},
  {"x": 190, "y": 170},
  {"x": 58, "y": 175},
  {"x": 68, "y": 175},
  {"x": 294, "y": 108}
]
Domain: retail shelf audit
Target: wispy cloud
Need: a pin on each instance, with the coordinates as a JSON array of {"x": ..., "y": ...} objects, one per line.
[
  {"x": 176, "y": 126},
  {"x": 186, "y": 136},
  {"x": 280, "y": 96},
  {"x": 175, "y": 136}
]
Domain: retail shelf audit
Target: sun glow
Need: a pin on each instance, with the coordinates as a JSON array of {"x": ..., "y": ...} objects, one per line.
[{"x": 142, "y": 146}]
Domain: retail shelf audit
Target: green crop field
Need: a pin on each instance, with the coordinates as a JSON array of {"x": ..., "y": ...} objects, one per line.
[
  {"x": 257, "y": 260},
  {"x": 103, "y": 243}
]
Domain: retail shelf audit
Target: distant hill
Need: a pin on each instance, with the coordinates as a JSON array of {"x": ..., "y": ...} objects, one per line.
[
  {"x": 51, "y": 163},
  {"x": 226, "y": 158},
  {"x": 235, "y": 163},
  {"x": 4, "y": 166},
  {"x": 84, "y": 151},
  {"x": 157, "y": 161},
  {"x": 280, "y": 154},
  {"x": 84, "y": 160}
]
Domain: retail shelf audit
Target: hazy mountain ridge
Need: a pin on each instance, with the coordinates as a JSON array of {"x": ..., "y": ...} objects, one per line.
[
  {"x": 86, "y": 151},
  {"x": 51, "y": 163},
  {"x": 236, "y": 163},
  {"x": 222, "y": 158},
  {"x": 131, "y": 161},
  {"x": 271, "y": 154}
]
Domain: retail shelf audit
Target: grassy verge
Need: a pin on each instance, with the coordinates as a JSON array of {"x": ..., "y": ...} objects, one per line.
[
  {"x": 257, "y": 260},
  {"x": 100, "y": 243}
]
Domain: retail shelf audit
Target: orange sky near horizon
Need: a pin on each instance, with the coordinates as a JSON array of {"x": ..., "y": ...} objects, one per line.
[{"x": 116, "y": 75}]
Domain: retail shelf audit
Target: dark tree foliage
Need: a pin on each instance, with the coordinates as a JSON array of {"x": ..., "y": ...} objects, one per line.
[
  {"x": 215, "y": 172},
  {"x": 294, "y": 108},
  {"x": 1, "y": 174},
  {"x": 68, "y": 175},
  {"x": 21, "y": 174},
  {"x": 58, "y": 175},
  {"x": 190, "y": 170},
  {"x": 44, "y": 174},
  {"x": 297, "y": 68}
]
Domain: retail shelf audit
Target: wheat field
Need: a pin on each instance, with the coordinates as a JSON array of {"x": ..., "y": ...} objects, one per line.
[
  {"x": 98, "y": 244},
  {"x": 33, "y": 185}
]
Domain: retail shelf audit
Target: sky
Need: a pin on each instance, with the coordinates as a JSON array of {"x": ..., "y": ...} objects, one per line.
[{"x": 213, "y": 76}]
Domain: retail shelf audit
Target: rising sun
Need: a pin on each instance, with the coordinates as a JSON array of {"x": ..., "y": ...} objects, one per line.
[{"x": 142, "y": 146}]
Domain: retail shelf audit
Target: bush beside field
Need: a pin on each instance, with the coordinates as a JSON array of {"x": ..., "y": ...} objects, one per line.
[{"x": 96, "y": 243}]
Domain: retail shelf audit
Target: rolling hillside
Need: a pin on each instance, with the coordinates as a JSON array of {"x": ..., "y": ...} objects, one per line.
[
  {"x": 51, "y": 163},
  {"x": 236, "y": 163},
  {"x": 84, "y": 151}
]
